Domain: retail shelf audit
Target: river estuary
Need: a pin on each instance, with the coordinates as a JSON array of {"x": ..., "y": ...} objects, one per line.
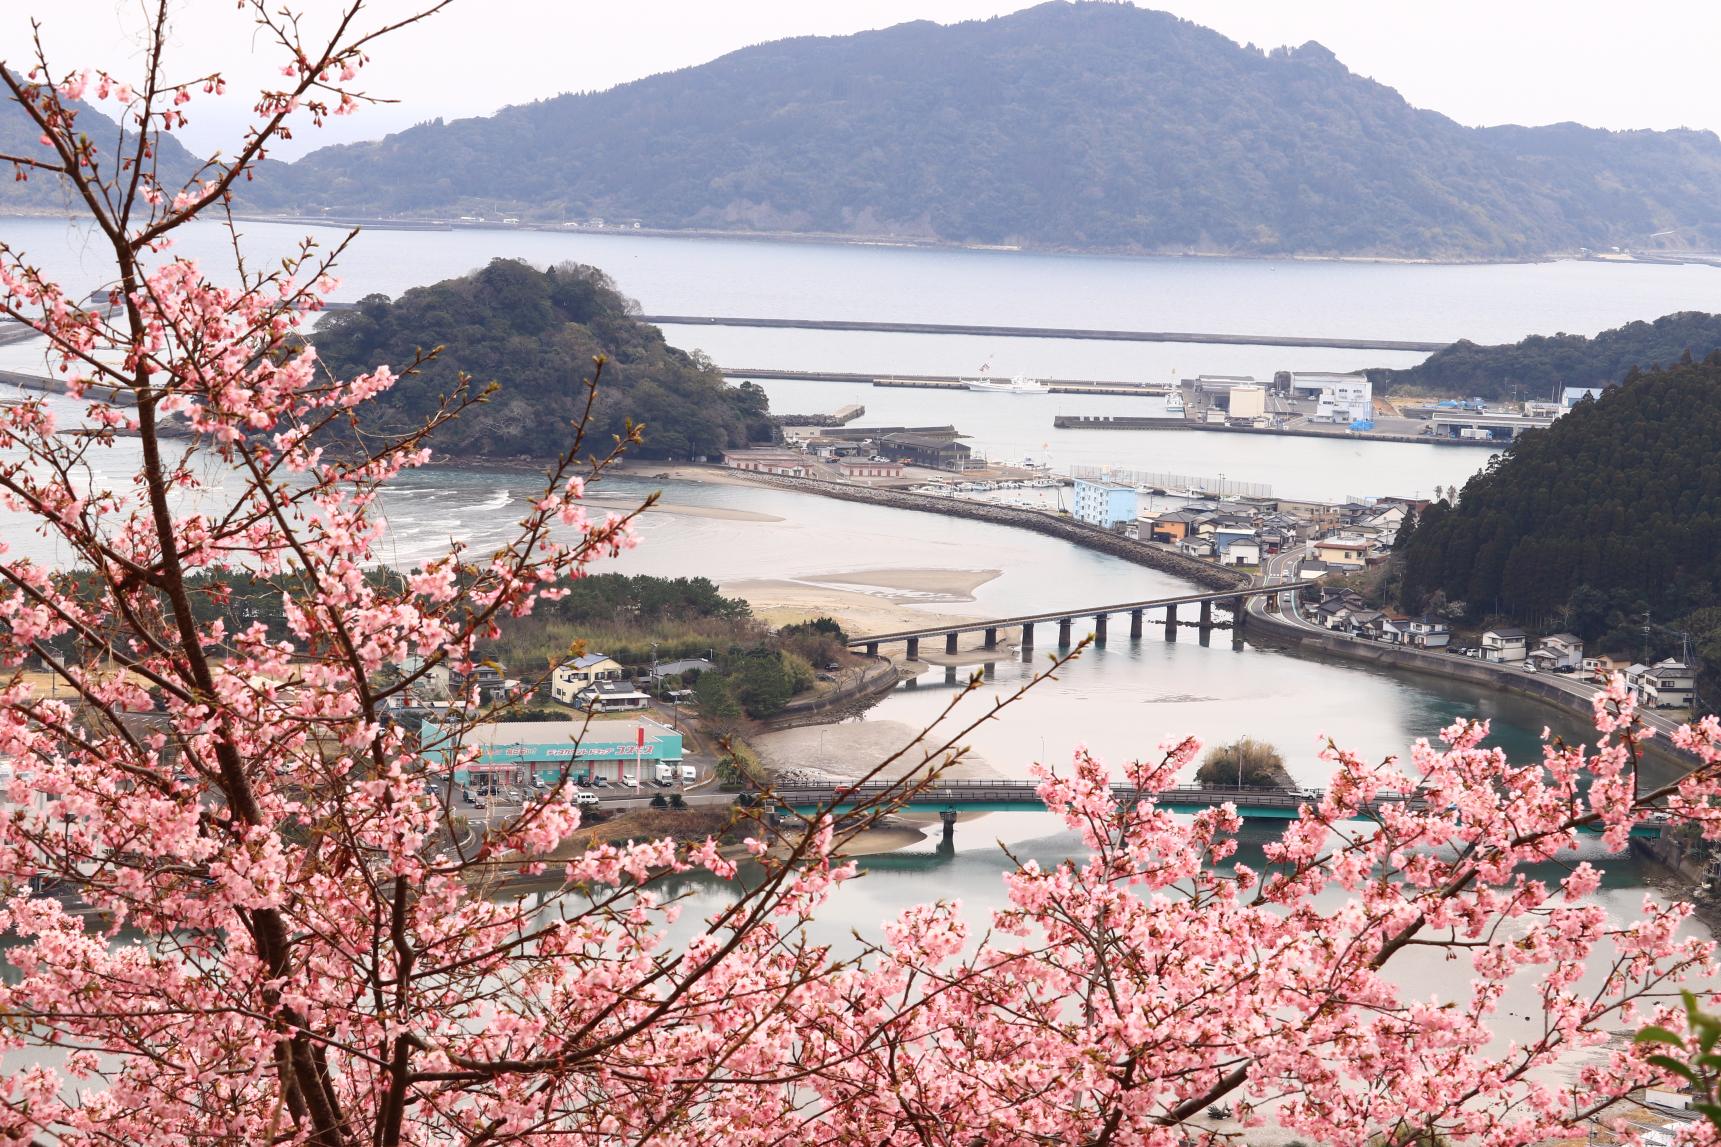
[{"x": 1119, "y": 701}]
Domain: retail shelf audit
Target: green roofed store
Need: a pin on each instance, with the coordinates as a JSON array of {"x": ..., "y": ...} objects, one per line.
[{"x": 513, "y": 752}]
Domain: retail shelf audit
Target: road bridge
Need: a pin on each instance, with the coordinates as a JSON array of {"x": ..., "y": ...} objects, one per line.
[
  {"x": 1232, "y": 600},
  {"x": 999, "y": 795},
  {"x": 991, "y": 331}
]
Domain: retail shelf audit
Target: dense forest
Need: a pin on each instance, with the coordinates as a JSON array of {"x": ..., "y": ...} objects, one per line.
[
  {"x": 536, "y": 334},
  {"x": 1078, "y": 126},
  {"x": 1538, "y": 367},
  {"x": 1609, "y": 518}
]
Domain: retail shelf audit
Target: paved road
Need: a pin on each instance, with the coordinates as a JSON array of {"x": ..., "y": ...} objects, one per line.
[{"x": 1280, "y": 566}]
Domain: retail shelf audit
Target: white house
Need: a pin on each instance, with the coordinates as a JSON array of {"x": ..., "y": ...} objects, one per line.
[
  {"x": 1562, "y": 651},
  {"x": 1668, "y": 685},
  {"x": 1426, "y": 633},
  {"x": 1507, "y": 643},
  {"x": 572, "y": 677},
  {"x": 1237, "y": 550}
]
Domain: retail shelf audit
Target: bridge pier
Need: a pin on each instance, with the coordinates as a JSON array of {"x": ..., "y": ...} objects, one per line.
[
  {"x": 989, "y": 670},
  {"x": 1063, "y": 633},
  {"x": 1099, "y": 629},
  {"x": 1135, "y": 624},
  {"x": 872, "y": 649},
  {"x": 950, "y": 674},
  {"x": 948, "y": 816},
  {"x": 1239, "y": 610},
  {"x": 991, "y": 638},
  {"x": 1027, "y": 636},
  {"x": 1171, "y": 623},
  {"x": 1207, "y": 615},
  {"x": 913, "y": 650},
  {"x": 950, "y": 643}
]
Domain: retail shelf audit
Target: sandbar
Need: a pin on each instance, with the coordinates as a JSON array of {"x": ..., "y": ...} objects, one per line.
[
  {"x": 852, "y": 749},
  {"x": 913, "y": 584},
  {"x": 780, "y": 602}
]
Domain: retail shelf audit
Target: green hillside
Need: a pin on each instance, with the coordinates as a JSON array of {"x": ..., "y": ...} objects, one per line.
[
  {"x": 1538, "y": 367},
  {"x": 536, "y": 334},
  {"x": 1612, "y": 513},
  {"x": 1078, "y": 126}
]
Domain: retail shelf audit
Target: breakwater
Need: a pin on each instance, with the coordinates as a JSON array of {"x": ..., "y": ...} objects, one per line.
[
  {"x": 1131, "y": 422},
  {"x": 1081, "y": 333},
  {"x": 1039, "y": 521}
]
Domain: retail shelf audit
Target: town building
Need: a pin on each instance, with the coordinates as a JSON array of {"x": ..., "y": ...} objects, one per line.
[
  {"x": 487, "y": 680},
  {"x": 611, "y": 697},
  {"x": 663, "y": 669},
  {"x": 935, "y": 452},
  {"x": 1238, "y": 550},
  {"x": 1343, "y": 551},
  {"x": 1560, "y": 651},
  {"x": 1668, "y": 685},
  {"x": 1104, "y": 504},
  {"x": 1507, "y": 643},
  {"x": 783, "y": 462},
  {"x": 1427, "y": 633},
  {"x": 1173, "y": 526},
  {"x": 1602, "y": 666},
  {"x": 1247, "y": 402},
  {"x": 571, "y": 677},
  {"x": 870, "y": 468},
  {"x": 1338, "y": 397},
  {"x": 1572, "y": 395},
  {"x": 515, "y": 752}
]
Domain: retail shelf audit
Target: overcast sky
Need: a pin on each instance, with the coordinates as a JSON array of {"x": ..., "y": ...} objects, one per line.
[{"x": 1598, "y": 62}]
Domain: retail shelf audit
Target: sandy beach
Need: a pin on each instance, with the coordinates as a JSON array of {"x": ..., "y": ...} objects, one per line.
[{"x": 917, "y": 585}]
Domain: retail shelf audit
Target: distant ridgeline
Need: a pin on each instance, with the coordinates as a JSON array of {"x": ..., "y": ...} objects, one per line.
[
  {"x": 44, "y": 193},
  {"x": 1065, "y": 126},
  {"x": 536, "y": 334},
  {"x": 1611, "y": 513},
  {"x": 1538, "y": 367}
]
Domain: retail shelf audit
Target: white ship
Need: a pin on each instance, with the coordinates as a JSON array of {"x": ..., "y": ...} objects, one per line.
[{"x": 1021, "y": 384}]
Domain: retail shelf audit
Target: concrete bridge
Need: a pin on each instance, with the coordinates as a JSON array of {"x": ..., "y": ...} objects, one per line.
[
  {"x": 949, "y": 797},
  {"x": 1232, "y": 600}
]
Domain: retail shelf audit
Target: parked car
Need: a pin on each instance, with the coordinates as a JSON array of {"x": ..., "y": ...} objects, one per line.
[
  {"x": 598, "y": 782},
  {"x": 831, "y": 667},
  {"x": 1530, "y": 667},
  {"x": 586, "y": 798}
]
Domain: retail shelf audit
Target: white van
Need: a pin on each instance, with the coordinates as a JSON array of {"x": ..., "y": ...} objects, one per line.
[{"x": 583, "y": 797}]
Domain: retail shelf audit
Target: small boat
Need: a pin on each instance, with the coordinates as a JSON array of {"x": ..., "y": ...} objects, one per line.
[
  {"x": 1021, "y": 384},
  {"x": 1174, "y": 403}
]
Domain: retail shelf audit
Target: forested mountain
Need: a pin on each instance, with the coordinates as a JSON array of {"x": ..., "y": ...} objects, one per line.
[
  {"x": 1082, "y": 126},
  {"x": 1539, "y": 366},
  {"x": 536, "y": 333},
  {"x": 42, "y": 193},
  {"x": 1612, "y": 513}
]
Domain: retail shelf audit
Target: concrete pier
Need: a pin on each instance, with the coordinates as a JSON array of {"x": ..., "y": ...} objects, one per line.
[
  {"x": 872, "y": 649},
  {"x": 1206, "y": 615},
  {"x": 913, "y": 650},
  {"x": 1100, "y": 628},
  {"x": 1171, "y": 623},
  {"x": 1027, "y": 635},
  {"x": 992, "y": 639},
  {"x": 1135, "y": 624},
  {"x": 950, "y": 643},
  {"x": 1064, "y": 633}
]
